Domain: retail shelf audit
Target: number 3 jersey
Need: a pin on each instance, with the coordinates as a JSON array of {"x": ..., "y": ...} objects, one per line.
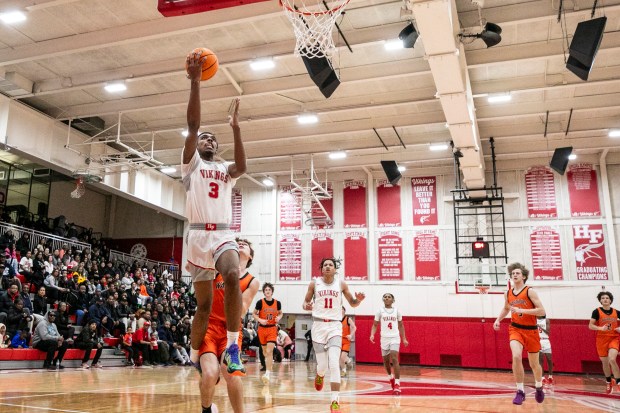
[
  {"x": 209, "y": 191},
  {"x": 327, "y": 300},
  {"x": 389, "y": 318}
]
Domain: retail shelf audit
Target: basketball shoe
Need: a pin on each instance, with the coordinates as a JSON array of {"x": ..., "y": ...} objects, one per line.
[
  {"x": 334, "y": 407},
  {"x": 609, "y": 386},
  {"x": 396, "y": 390},
  {"x": 519, "y": 398},
  {"x": 265, "y": 379},
  {"x": 318, "y": 383},
  {"x": 550, "y": 381},
  {"x": 545, "y": 382},
  {"x": 233, "y": 361},
  {"x": 540, "y": 395},
  {"x": 392, "y": 382}
]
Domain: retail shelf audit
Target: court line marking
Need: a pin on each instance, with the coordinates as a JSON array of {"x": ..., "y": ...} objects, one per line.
[{"x": 42, "y": 408}]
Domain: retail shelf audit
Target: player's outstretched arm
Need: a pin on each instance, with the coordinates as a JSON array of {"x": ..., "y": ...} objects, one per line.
[
  {"x": 239, "y": 167},
  {"x": 401, "y": 331},
  {"x": 353, "y": 301},
  {"x": 373, "y": 330},
  {"x": 194, "y": 71}
]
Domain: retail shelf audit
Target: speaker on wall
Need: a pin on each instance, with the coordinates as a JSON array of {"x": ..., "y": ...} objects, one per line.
[
  {"x": 391, "y": 171},
  {"x": 559, "y": 161},
  {"x": 322, "y": 74},
  {"x": 584, "y": 46}
]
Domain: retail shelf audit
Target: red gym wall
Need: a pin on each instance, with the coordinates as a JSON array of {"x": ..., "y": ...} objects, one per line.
[
  {"x": 472, "y": 343},
  {"x": 158, "y": 249}
]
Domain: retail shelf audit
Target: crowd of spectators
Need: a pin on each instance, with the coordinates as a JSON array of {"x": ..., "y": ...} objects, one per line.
[{"x": 46, "y": 293}]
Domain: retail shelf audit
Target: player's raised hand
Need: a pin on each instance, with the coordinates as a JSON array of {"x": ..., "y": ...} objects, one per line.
[
  {"x": 233, "y": 117},
  {"x": 194, "y": 66},
  {"x": 360, "y": 296}
]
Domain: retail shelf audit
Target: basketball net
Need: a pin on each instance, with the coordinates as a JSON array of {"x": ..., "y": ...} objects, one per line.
[
  {"x": 482, "y": 289},
  {"x": 313, "y": 25},
  {"x": 80, "y": 188}
]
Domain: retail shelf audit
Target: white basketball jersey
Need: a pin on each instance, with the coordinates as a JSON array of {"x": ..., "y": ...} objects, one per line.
[
  {"x": 327, "y": 300},
  {"x": 542, "y": 325},
  {"x": 209, "y": 191},
  {"x": 389, "y": 318}
]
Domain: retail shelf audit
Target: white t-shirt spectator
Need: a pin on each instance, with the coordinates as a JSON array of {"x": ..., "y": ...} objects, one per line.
[
  {"x": 49, "y": 267},
  {"x": 284, "y": 339},
  {"x": 25, "y": 264}
]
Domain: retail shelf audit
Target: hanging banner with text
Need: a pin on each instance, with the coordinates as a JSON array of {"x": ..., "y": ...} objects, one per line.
[
  {"x": 426, "y": 251},
  {"x": 354, "y": 202},
  {"x": 583, "y": 191},
  {"x": 388, "y": 204},
  {"x": 355, "y": 256},
  {"x": 322, "y": 247},
  {"x": 237, "y": 198},
  {"x": 590, "y": 252},
  {"x": 390, "y": 245},
  {"x": 290, "y": 258},
  {"x": 424, "y": 190},
  {"x": 546, "y": 254},
  {"x": 328, "y": 205},
  {"x": 540, "y": 192},
  {"x": 290, "y": 209}
]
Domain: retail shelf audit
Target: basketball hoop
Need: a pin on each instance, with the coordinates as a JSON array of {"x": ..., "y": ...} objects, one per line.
[
  {"x": 80, "y": 188},
  {"x": 482, "y": 289},
  {"x": 313, "y": 25}
]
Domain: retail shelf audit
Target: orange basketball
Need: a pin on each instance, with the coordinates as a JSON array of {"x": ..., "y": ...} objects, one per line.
[{"x": 210, "y": 65}]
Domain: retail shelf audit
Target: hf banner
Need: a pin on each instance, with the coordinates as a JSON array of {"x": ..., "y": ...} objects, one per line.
[{"x": 590, "y": 252}]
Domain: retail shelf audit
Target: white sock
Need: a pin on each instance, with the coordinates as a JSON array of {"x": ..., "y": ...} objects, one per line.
[
  {"x": 520, "y": 387},
  {"x": 390, "y": 376},
  {"x": 336, "y": 396},
  {"x": 538, "y": 384},
  {"x": 397, "y": 381},
  {"x": 232, "y": 337},
  {"x": 194, "y": 356},
  {"x": 267, "y": 373}
]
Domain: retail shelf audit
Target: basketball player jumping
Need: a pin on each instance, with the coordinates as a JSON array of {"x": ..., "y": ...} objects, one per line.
[
  {"x": 268, "y": 313},
  {"x": 210, "y": 244},
  {"x": 524, "y": 306},
  {"x": 214, "y": 341},
  {"x": 392, "y": 330},
  {"x": 605, "y": 321},
  {"x": 324, "y": 299}
]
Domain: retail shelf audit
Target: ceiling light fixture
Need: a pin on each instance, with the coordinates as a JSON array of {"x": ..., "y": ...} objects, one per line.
[
  {"x": 168, "y": 170},
  {"x": 401, "y": 168},
  {"x": 504, "y": 97},
  {"x": 185, "y": 133},
  {"x": 614, "y": 133},
  {"x": 262, "y": 64},
  {"x": 338, "y": 155},
  {"x": 307, "y": 118},
  {"x": 268, "y": 181},
  {"x": 13, "y": 16},
  {"x": 438, "y": 146},
  {"x": 572, "y": 157},
  {"x": 115, "y": 87},
  {"x": 393, "y": 44}
]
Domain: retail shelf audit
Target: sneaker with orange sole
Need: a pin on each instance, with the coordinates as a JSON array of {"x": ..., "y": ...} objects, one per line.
[
  {"x": 318, "y": 383},
  {"x": 334, "y": 407},
  {"x": 609, "y": 385}
]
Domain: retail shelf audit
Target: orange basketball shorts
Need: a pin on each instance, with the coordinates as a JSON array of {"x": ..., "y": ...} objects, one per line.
[
  {"x": 267, "y": 335},
  {"x": 529, "y": 339},
  {"x": 215, "y": 340},
  {"x": 606, "y": 343},
  {"x": 346, "y": 345}
]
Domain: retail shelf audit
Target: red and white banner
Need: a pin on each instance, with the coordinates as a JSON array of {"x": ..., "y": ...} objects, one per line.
[
  {"x": 540, "y": 192},
  {"x": 322, "y": 247},
  {"x": 424, "y": 190},
  {"x": 354, "y": 201},
  {"x": 355, "y": 256},
  {"x": 390, "y": 245},
  {"x": 583, "y": 191},
  {"x": 426, "y": 251},
  {"x": 328, "y": 204},
  {"x": 236, "y": 210},
  {"x": 546, "y": 254},
  {"x": 590, "y": 252},
  {"x": 290, "y": 258},
  {"x": 388, "y": 204},
  {"x": 290, "y": 209}
]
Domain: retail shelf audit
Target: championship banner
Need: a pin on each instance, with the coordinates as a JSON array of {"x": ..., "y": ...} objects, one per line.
[
  {"x": 354, "y": 201},
  {"x": 540, "y": 192},
  {"x": 322, "y": 247},
  {"x": 290, "y": 209},
  {"x": 590, "y": 252},
  {"x": 546, "y": 254},
  {"x": 328, "y": 204},
  {"x": 583, "y": 191},
  {"x": 390, "y": 245},
  {"x": 290, "y": 258},
  {"x": 426, "y": 251},
  {"x": 355, "y": 256},
  {"x": 424, "y": 190},
  {"x": 388, "y": 204},
  {"x": 237, "y": 198}
]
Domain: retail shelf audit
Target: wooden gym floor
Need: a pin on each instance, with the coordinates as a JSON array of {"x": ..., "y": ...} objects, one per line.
[{"x": 174, "y": 389}]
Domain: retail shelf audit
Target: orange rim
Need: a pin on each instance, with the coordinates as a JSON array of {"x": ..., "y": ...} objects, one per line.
[{"x": 317, "y": 13}]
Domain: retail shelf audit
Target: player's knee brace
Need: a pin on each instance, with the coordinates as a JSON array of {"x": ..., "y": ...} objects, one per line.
[
  {"x": 321, "y": 361},
  {"x": 334, "y": 364}
]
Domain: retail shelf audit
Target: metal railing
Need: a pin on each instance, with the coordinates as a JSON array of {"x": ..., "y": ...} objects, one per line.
[
  {"x": 129, "y": 259},
  {"x": 36, "y": 236}
]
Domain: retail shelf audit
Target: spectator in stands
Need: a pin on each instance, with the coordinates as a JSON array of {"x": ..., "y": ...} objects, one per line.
[
  {"x": 65, "y": 328},
  {"x": 132, "y": 322},
  {"x": 97, "y": 312},
  {"x": 123, "y": 310},
  {"x": 38, "y": 265},
  {"x": 165, "y": 335},
  {"x": 11, "y": 266},
  {"x": 161, "y": 353},
  {"x": 49, "y": 265},
  {"x": 143, "y": 295},
  {"x": 17, "y": 318},
  {"x": 56, "y": 258},
  {"x": 20, "y": 340},
  {"x": 141, "y": 343},
  {"x": 5, "y": 339},
  {"x": 39, "y": 304},
  {"x": 126, "y": 282},
  {"x": 88, "y": 340},
  {"x": 7, "y": 299},
  {"x": 284, "y": 341},
  {"x": 47, "y": 338},
  {"x": 52, "y": 289},
  {"x": 25, "y": 268},
  {"x": 82, "y": 303},
  {"x": 180, "y": 346},
  {"x": 23, "y": 244},
  {"x": 114, "y": 320}
]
